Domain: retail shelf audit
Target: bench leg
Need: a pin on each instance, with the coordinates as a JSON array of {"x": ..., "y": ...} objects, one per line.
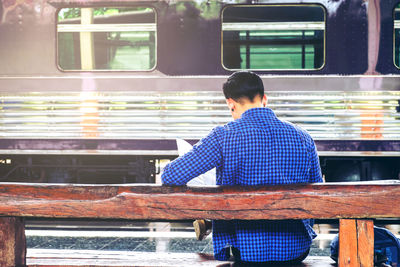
[
  {"x": 12, "y": 241},
  {"x": 356, "y": 243}
]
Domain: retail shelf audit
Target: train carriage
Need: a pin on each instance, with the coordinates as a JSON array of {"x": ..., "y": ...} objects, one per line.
[{"x": 98, "y": 91}]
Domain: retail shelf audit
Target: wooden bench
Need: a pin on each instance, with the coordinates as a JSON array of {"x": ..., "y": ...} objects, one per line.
[{"x": 355, "y": 204}]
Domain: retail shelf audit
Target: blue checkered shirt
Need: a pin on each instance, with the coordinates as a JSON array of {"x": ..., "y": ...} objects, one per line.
[{"x": 257, "y": 149}]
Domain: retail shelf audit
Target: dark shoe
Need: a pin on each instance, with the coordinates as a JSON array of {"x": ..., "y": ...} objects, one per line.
[{"x": 202, "y": 228}]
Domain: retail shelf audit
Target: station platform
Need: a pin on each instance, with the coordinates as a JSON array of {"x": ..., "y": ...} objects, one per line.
[
  {"x": 111, "y": 243},
  {"x": 117, "y": 258},
  {"x": 138, "y": 243},
  {"x": 169, "y": 237}
]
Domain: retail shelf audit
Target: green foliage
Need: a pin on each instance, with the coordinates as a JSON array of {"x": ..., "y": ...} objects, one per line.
[{"x": 69, "y": 13}]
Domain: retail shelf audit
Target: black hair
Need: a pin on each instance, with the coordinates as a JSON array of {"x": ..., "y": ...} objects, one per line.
[{"x": 243, "y": 84}]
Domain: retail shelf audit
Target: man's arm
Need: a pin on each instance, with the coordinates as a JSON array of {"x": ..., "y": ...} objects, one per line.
[
  {"x": 315, "y": 169},
  {"x": 204, "y": 156}
]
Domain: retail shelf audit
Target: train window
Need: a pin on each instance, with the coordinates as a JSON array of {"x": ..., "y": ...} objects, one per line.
[
  {"x": 396, "y": 50},
  {"x": 271, "y": 37},
  {"x": 109, "y": 38}
]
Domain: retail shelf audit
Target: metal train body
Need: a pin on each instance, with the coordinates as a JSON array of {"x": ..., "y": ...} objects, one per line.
[{"x": 62, "y": 121}]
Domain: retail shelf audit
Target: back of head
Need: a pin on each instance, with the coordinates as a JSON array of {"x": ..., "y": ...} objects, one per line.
[{"x": 243, "y": 85}]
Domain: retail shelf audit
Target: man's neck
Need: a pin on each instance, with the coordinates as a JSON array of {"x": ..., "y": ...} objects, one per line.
[{"x": 240, "y": 109}]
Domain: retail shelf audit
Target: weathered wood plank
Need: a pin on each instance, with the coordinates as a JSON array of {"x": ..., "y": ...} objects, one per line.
[
  {"x": 356, "y": 243},
  {"x": 365, "y": 237},
  {"x": 348, "y": 250},
  {"x": 12, "y": 241},
  {"x": 174, "y": 203}
]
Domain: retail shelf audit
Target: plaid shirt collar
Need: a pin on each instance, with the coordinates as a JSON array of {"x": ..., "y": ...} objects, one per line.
[{"x": 259, "y": 113}]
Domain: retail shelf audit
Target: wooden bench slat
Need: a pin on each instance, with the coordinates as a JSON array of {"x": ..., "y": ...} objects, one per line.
[
  {"x": 323, "y": 201},
  {"x": 154, "y": 202}
]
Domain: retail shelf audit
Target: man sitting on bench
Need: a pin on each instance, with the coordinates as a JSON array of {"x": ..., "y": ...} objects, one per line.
[{"x": 255, "y": 149}]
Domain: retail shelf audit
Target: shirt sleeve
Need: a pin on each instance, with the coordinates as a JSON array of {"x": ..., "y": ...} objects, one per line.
[
  {"x": 204, "y": 156},
  {"x": 315, "y": 169}
]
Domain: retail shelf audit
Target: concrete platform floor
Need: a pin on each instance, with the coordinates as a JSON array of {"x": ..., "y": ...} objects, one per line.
[{"x": 177, "y": 237}]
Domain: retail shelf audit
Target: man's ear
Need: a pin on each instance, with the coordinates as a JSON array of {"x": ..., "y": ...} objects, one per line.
[
  {"x": 264, "y": 101},
  {"x": 231, "y": 104}
]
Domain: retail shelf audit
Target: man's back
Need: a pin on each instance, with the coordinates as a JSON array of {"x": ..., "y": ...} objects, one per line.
[
  {"x": 260, "y": 149},
  {"x": 257, "y": 149}
]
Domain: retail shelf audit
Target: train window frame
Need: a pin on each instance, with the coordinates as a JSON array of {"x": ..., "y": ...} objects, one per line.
[
  {"x": 276, "y": 69},
  {"x": 397, "y": 5},
  {"x": 153, "y": 68}
]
